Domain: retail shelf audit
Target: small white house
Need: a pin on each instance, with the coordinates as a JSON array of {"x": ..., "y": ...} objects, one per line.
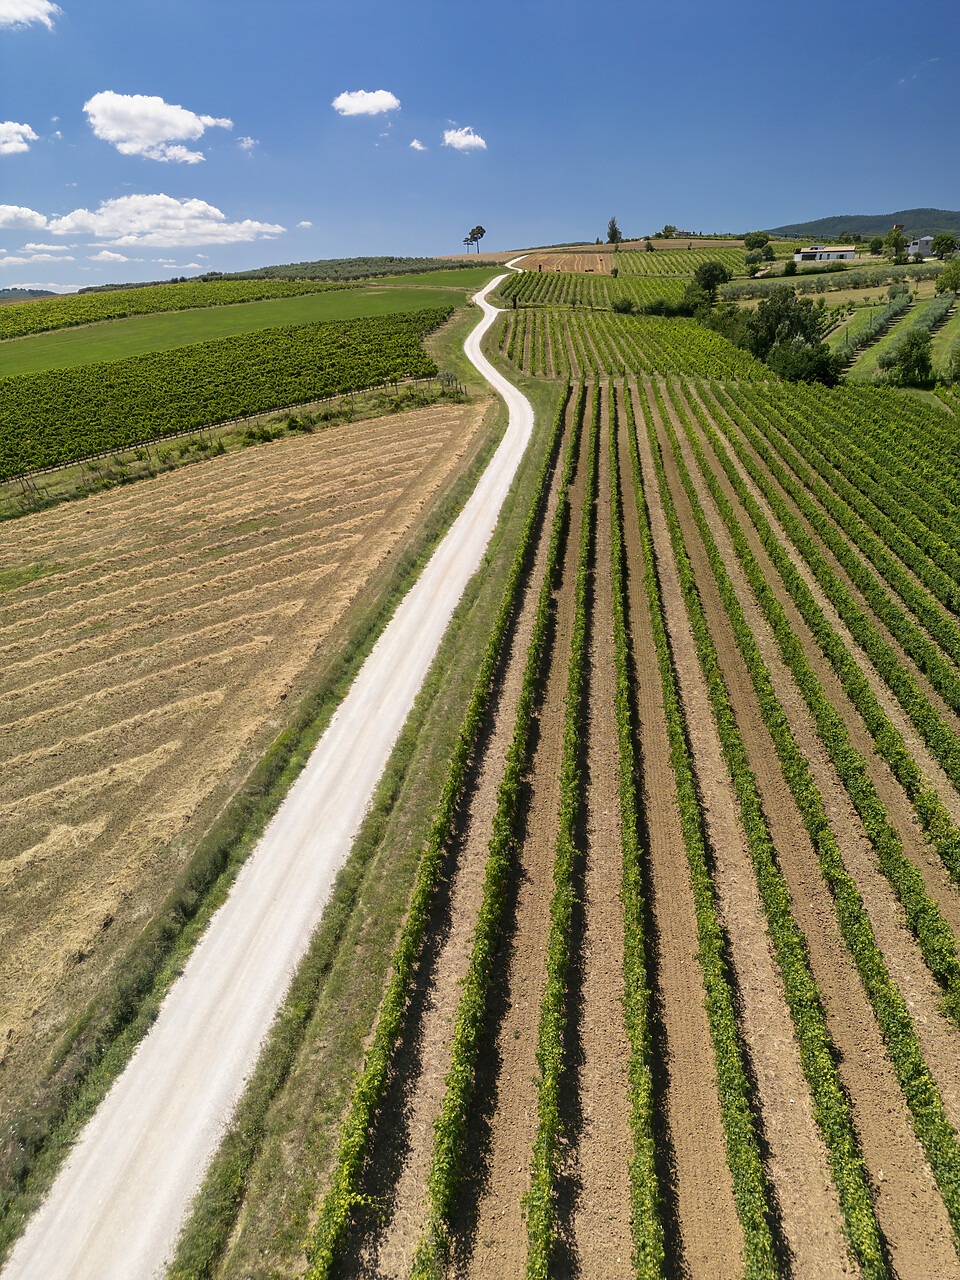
[
  {"x": 824, "y": 252},
  {"x": 920, "y": 245}
]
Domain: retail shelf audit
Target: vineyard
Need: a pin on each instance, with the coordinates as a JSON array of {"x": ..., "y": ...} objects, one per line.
[
  {"x": 42, "y": 315},
  {"x": 678, "y": 262},
  {"x": 575, "y": 289},
  {"x": 57, "y": 416},
  {"x": 675, "y": 975},
  {"x": 572, "y": 344},
  {"x": 689, "y": 988}
]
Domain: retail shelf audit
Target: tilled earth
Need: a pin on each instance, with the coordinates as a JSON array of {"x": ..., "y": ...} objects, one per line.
[{"x": 142, "y": 675}]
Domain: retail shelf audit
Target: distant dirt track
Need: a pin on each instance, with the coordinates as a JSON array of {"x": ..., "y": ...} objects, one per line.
[{"x": 115, "y": 1210}]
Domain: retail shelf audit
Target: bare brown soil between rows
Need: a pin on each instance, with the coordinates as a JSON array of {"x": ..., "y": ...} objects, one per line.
[
  {"x": 939, "y": 1037},
  {"x": 916, "y": 744},
  {"x": 811, "y": 1223},
  {"x": 909, "y": 1208},
  {"x": 951, "y": 717},
  {"x": 131, "y": 734},
  {"x": 491, "y": 1237},
  {"x": 595, "y": 1190},
  {"x": 703, "y": 1235},
  {"x": 899, "y": 808},
  {"x": 382, "y": 1242}
]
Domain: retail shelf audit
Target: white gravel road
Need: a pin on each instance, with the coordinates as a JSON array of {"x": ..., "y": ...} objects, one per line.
[{"x": 116, "y": 1208}]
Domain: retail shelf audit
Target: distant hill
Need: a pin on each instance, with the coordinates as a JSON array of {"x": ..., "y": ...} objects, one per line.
[
  {"x": 916, "y": 222},
  {"x": 348, "y": 269},
  {"x": 24, "y": 295}
]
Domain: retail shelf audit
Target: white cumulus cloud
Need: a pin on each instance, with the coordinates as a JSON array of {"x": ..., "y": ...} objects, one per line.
[
  {"x": 247, "y": 144},
  {"x": 366, "y": 102},
  {"x": 463, "y": 139},
  {"x": 105, "y": 255},
  {"x": 157, "y": 220},
  {"x": 46, "y": 248},
  {"x": 15, "y": 215},
  {"x": 138, "y": 124},
  {"x": 305, "y": 224},
  {"x": 417, "y": 145},
  {"x": 20, "y": 13},
  {"x": 15, "y": 137}
]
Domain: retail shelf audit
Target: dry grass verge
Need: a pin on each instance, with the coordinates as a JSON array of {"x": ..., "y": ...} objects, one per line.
[{"x": 282, "y": 524}]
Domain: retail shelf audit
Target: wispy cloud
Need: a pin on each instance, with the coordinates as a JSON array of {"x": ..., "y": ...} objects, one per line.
[
  {"x": 417, "y": 145},
  {"x": 366, "y": 102},
  {"x": 463, "y": 139},
  {"x": 305, "y": 225},
  {"x": 20, "y": 13},
  {"x": 140, "y": 125},
  {"x": 918, "y": 70},
  {"x": 21, "y": 260},
  {"x": 247, "y": 144}
]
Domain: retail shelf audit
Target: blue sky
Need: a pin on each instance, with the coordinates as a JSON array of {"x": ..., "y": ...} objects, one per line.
[{"x": 145, "y": 139}]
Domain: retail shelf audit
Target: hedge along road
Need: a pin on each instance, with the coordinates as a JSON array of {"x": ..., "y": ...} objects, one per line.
[{"x": 118, "y": 1203}]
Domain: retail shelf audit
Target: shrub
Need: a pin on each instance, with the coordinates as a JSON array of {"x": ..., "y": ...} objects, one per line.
[
  {"x": 908, "y": 362},
  {"x": 800, "y": 362},
  {"x": 949, "y": 279}
]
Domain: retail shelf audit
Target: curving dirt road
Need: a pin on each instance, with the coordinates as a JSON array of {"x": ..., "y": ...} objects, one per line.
[{"x": 118, "y": 1203}]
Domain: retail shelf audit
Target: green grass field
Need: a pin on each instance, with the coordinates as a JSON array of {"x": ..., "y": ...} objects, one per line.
[
  {"x": 944, "y": 340},
  {"x": 851, "y": 326},
  {"x": 469, "y": 279},
  {"x": 865, "y": 365},
  {"x": 117, "y": 339}
]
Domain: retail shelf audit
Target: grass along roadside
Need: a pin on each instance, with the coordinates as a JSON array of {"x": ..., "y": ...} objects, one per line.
[
  {"x": 97, "y": 1046},
  {"x": 344, "y": 1189},
  {"x": 259, "y": 1201},
  {"x": 452, "y": 1121}
]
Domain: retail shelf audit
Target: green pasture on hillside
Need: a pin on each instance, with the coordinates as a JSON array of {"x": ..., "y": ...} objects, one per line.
[
  {"x": 944, "y": 340},
  {"x": 137, "y": 335},
  {"x": 860, "y": 318},
  {"x": 469, "y": 279},
  {"x": 865, "y": 364}
]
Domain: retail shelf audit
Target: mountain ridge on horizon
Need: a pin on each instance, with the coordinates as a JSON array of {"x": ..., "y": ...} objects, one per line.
[{"x": 916, "y": 222}]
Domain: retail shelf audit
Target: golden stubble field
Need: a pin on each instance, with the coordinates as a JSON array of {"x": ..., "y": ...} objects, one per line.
[{"x": 141, "y": 678}]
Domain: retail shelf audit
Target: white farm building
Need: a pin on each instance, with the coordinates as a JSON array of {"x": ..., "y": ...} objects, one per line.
[
  {"x": 824, "y": 252},
  {"x": 921, "y": 246}
]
